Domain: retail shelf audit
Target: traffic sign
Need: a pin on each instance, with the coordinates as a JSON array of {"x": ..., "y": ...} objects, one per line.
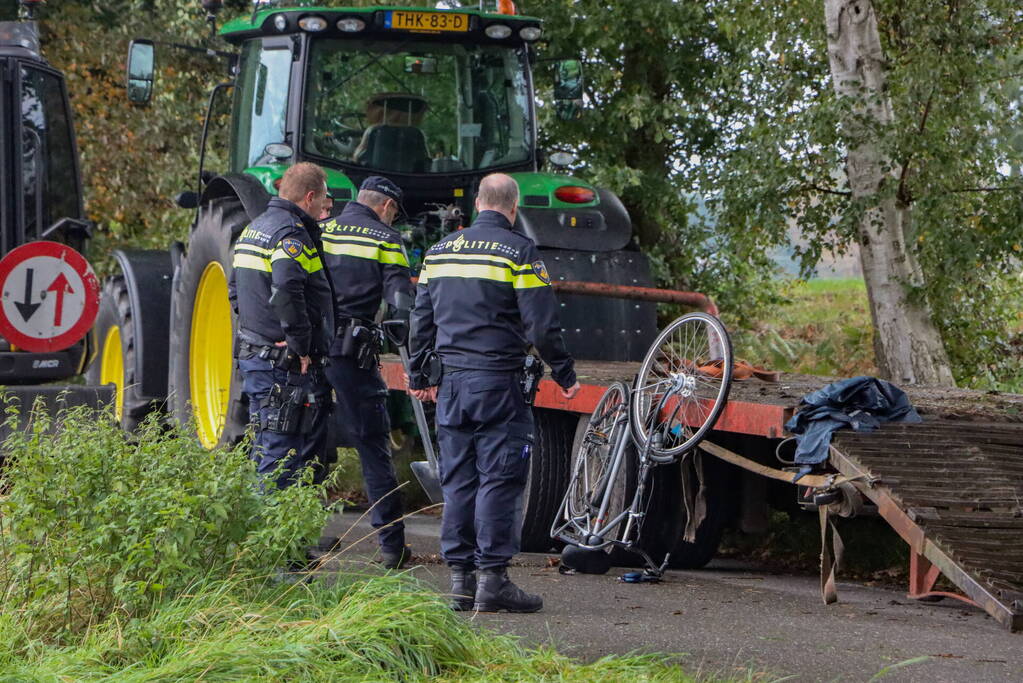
[{"x": 49, "y": 296}]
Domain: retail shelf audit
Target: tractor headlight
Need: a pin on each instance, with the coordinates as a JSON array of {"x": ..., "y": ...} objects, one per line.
[
  {"x": 530, "y": 33},
  {"x": 281, "y": 23},
  {"x": 312, "y": 24},
  {"x": 498, "y": 31},
  {"x": 350, "y": 25}
]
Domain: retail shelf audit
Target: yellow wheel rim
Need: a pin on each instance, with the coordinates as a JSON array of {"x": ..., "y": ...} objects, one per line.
[
  {"x": 209, "y": 362},
  {"x": 111, "y": 367}
]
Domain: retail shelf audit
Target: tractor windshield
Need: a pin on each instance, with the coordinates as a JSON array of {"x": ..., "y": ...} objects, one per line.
[{"x": 411, "y": 107}]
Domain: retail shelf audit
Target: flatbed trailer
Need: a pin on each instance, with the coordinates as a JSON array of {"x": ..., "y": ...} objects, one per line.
[{"x": 951, "y": 487}]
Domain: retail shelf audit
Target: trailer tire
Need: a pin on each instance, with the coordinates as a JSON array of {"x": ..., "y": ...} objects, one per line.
[
  {"x": 115, "y": 354},
  {"x": 548, "y": 477},
  {"x": 204, "y": 383}
]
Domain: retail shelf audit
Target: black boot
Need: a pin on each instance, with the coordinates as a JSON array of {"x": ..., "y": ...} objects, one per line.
[
  {"x": 463, "y": 588},
  {"x": 496, "y": 592}
]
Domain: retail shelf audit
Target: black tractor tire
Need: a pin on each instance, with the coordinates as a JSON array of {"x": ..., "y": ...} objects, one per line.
[
  {"x": 115, "y": 312},
  {"x": 220, "y": 222},
  {"x": 694, "y": 555},
  {"x": 548, "y": 477}
]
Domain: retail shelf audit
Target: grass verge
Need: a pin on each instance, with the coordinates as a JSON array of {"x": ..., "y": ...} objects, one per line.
[{"x": 150, "y": 558}]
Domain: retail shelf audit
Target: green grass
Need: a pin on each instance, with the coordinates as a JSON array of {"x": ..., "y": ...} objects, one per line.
[
  {"x": 358, "y": 629},
  {"x": 823, "y": 329},
  {"x": 149, "y": 558}
]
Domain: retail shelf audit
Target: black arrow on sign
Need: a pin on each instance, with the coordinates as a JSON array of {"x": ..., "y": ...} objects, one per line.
[{"x": 26, "y": 307}]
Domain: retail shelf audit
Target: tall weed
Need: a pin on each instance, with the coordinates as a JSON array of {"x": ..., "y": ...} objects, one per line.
[{"x": 93, "y": 522}]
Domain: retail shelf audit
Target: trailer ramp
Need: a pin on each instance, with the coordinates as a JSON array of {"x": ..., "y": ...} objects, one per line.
[{"x": 954, "y": 492}]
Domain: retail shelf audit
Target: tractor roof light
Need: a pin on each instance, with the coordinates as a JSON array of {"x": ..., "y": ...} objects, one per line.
[
  {"x": 350, "y": 25},
  {"x": 530, "y": 34},
  {"x": 506, "y": 7},
  {"x": 574, "y": 194},
  {"x": 498, "y": 31},
  {"x": 313, "y": 24},
  {"x": 280, "y": 23}
]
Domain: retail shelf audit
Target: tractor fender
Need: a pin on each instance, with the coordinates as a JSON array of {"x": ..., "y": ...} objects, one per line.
[
  {"x": 148, "y": 276},
  {"x": 246, "y": 188}
]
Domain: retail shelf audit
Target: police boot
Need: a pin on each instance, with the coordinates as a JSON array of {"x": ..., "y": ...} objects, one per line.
[
  {"x": 496, "y": 592},
  {"x": 463, "y": 588}
]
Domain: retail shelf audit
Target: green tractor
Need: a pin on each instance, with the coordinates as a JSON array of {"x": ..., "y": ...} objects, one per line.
[{"x": 435, "y": 100}]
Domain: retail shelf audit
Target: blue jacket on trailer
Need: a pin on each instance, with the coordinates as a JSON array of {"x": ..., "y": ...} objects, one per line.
[{"x": 861, "y": 403}]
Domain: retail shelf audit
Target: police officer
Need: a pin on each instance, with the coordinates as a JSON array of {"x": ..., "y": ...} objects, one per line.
[
  {"x": 280, "y": 292},
  {"x": 484, "y": 296},
  {"x": 366, "y": 264}
]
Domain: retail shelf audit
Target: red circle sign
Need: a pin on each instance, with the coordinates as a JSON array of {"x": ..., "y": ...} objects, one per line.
[{"x": 49, "y": 296}]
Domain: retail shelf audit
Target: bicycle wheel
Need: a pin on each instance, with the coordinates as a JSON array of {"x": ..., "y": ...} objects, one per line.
[
  {"x": 682, "y": 386},
  {"x": 583, "y": 509}
]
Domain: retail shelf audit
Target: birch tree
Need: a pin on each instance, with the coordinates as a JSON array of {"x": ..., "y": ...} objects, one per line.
[
  {"x": 908, "y": 347},
  {"x": 888, "y": 124}
]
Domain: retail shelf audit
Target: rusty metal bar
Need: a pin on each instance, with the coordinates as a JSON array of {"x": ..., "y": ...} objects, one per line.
[
  {"x": 918, "y": 542},
  {"x": 661, "y": 296}
]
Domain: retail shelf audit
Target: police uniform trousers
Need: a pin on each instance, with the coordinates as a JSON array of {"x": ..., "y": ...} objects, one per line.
[
  {"x": 363, "y": 424},
  {"x": 283, "y": 457},
  {"x": 485, "y": 434}
]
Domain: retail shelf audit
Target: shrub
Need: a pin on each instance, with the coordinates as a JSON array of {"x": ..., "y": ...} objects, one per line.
[{"x": 94, "y": 522}]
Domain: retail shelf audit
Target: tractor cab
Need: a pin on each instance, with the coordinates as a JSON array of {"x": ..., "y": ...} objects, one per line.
[{"x": 435, "y": 100}]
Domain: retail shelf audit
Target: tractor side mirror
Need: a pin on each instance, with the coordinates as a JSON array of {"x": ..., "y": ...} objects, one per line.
[
  {"x": 568, "y": 89},
  {"x": 396, "y": 331},
  {"x": 141, "y": 68}
]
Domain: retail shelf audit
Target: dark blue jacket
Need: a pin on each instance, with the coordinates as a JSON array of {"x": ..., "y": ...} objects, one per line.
[
  {"x": 366, "y": 264},
  {"x": 861, "y": 403},
  {"x": 484, "y": 296},
  {"x": 278, "y": 286}
]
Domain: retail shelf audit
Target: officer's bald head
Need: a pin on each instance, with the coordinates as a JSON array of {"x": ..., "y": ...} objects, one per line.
[{"x": 499, "y": 192}]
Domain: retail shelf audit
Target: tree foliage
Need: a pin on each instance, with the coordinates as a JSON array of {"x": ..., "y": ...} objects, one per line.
[
  {"x": 651, "y": 123},
  {"x": 952, "y": 71}
]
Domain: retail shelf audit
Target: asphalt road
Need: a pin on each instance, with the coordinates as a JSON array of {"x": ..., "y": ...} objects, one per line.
[{"x": 731, "y": 619}]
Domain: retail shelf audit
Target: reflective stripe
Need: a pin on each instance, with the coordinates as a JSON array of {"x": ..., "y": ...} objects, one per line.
[
  {"x": 251, "y": 262},
  {"x": 476, "y": 271},
  {"x": 479, "y": 257},
  {"x": 338, "y": 238},
  {"x": 356, "y": 250},
  {"x": 359, "y": 249},
  {"x": 253, "y": 248},
  {"x": 309, "y": 265}
]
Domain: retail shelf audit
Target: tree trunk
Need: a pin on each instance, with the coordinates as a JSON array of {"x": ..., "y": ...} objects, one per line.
[{"x": 907, "y": 344}]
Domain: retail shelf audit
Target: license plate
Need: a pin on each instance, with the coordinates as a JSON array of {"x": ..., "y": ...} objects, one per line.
[{"x": 426, "y": 22}]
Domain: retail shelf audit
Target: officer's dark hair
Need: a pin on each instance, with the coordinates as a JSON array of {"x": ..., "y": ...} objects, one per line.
[
  {"x": 300, "y": 180},
  {"x": 498, "y": 191},
  {"x": 371, "y": 198}
]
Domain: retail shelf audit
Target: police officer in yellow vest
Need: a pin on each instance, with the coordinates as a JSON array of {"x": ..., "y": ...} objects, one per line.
[
  {"x": 484, "y": 296},
  {"x": 367, "y": 265},
  {"x": 280, "y": 292}
]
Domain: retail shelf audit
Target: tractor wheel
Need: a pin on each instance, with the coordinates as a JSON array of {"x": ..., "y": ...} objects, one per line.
[
  {"x": 205, "y": 387},
  {"x": 115, "y": 358},
  {"x": 548, "y": 477}
]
